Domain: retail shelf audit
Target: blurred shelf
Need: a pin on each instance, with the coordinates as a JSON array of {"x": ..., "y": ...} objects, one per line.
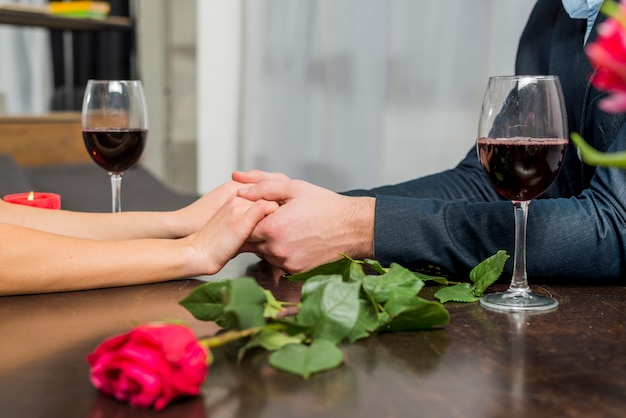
[
  {"x": 40, "y": 17},
  {"x": 37, "y": 140},
  {"x": 54, "y": 117}
]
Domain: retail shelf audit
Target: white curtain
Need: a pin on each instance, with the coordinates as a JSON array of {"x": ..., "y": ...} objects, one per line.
[
  {"x": 25, "y": 69},
  {"x": 358, "y": 93}
]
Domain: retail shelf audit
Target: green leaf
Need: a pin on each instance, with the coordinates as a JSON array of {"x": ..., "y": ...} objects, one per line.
[
  {"x": 356, "y": 273},
  {"x": 375, "y": 265},
  {"x": 331, "y": 310},
  {"x": 488, "y": 271},
  {"x": 245, "y": 302},
  {"x": 206, "y": 303},
  {"x": 414, "y": 313},
  {"x": 383, "y": 319},
  {"x": 305, "y": 360},
  {"x": 316, "y": 281},
  {"x": 367, "y": 322},
  {"x": 292, "y": 327},
  {"x": 398, "y": 281},
  {"x": 272, "y": 339},
  {"x": 436, "y": 279},
  {"x": 340, "y": 267},
  {"x": 462, "y": 292}
]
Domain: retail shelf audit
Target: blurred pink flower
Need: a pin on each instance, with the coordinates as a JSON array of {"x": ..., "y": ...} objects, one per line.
[{"x": 608, "y": 54}]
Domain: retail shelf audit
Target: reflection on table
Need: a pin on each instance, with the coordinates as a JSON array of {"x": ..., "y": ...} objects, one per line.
[{"x": 566, "y": 363}]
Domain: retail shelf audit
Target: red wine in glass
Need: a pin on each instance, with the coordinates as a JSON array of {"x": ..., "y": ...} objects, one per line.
[
  {"x": 521, "y": 146},
  {"x": 521, "y": 168},
  {"x": 114, "y": 122},
  {"x": 115, "y": 150}
]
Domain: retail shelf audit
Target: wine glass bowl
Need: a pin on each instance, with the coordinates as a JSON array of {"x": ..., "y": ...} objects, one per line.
[
  {"x": 114, "y": 123},
  {"x": 521, "y": 145},
  {"x": 521, "y": 168},
  {"x": 115, "y": 150}
]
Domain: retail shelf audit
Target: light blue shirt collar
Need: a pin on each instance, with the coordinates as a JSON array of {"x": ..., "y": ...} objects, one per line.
[{"x": 583, "y": 9}]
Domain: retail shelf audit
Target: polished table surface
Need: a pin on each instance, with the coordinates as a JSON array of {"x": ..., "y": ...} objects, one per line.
[{"x": 567, "y": 363}]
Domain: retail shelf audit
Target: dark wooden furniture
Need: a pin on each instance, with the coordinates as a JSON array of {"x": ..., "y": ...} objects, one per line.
[
  {"x": 52, "y": 138},
  {"x": 55, "y": 138},
  {"x": 24, "y": 15},
  {"x": 566, "y": 363}
]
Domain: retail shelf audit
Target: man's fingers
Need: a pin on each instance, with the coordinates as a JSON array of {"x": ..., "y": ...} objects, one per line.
[
  {"x": 263, "y": 207},
  {"x": 276, "y": 191},
  {"x": 261, "y": 251},
  {"x": 255, "y": 176}
]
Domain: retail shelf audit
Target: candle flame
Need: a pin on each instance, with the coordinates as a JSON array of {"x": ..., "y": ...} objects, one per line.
[{"x": 31, "y": 196}]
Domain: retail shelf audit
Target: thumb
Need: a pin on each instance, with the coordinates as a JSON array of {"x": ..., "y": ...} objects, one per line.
[{"x": 255, "y": 213}]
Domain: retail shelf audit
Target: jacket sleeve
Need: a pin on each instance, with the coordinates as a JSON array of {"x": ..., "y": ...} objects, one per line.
[{"x": 454, "y": 220}]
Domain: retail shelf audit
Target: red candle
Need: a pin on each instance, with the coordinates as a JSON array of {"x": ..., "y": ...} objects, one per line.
[{"x": 37, "y": 199}]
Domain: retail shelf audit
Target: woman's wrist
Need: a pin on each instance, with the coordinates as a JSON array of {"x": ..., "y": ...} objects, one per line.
[{"x": 174, "y": 224}]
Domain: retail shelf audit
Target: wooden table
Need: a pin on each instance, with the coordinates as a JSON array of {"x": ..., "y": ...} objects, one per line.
[{"x": 566, "y": 363}]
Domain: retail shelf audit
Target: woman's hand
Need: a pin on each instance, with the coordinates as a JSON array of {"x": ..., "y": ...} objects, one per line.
[
  {"x": 227, "y": 230},
  {"x": 192, "y": 218}
]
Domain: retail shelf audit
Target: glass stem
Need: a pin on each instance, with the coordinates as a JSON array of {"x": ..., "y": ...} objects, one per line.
[
  {"x": 519, "y": 281},
  {"x": 116, "y": 197}
]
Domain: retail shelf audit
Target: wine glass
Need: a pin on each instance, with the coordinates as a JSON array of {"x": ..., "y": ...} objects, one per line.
[
  {"x": 115, "y": 128},
  {"x": 522, "y": 140}
]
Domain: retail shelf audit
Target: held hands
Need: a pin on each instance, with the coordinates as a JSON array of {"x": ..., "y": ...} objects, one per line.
[
  {"x": 312, "y": 225},
  {"x": 224, "y": 234},
  {"x": 219, "y": 223},
  {"x": 292, "y": 224},
  {"x": 193, "y": 217}
]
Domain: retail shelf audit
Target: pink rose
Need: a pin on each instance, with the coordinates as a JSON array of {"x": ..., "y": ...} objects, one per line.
[
  {"x": 150, "y": 366},
  {"x": 608, "y": 55}
]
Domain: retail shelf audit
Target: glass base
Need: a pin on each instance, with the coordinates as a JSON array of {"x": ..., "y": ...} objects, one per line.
[{"x": 518, "y": 301}]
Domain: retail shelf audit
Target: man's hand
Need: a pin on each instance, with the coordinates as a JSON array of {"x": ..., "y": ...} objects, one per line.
[{"x": 312, "y": 225}]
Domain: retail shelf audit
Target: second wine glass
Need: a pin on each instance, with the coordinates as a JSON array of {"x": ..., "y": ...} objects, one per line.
[
  {"x": 114, "y": 123},
  {"x": 522, "y": 140}
]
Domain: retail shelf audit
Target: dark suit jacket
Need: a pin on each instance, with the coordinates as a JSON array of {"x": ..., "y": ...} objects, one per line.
[{"x": 576, "y": 230}]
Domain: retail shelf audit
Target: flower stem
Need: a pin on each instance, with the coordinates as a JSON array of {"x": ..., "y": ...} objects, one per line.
[
  {"x": 227, "y": 337},
  {"x": 592, "y": 156}
]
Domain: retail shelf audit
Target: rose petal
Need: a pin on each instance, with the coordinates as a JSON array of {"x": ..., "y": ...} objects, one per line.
[
  {"x": 142, "y": 389},
  {"x": 616, "y": 102}
]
